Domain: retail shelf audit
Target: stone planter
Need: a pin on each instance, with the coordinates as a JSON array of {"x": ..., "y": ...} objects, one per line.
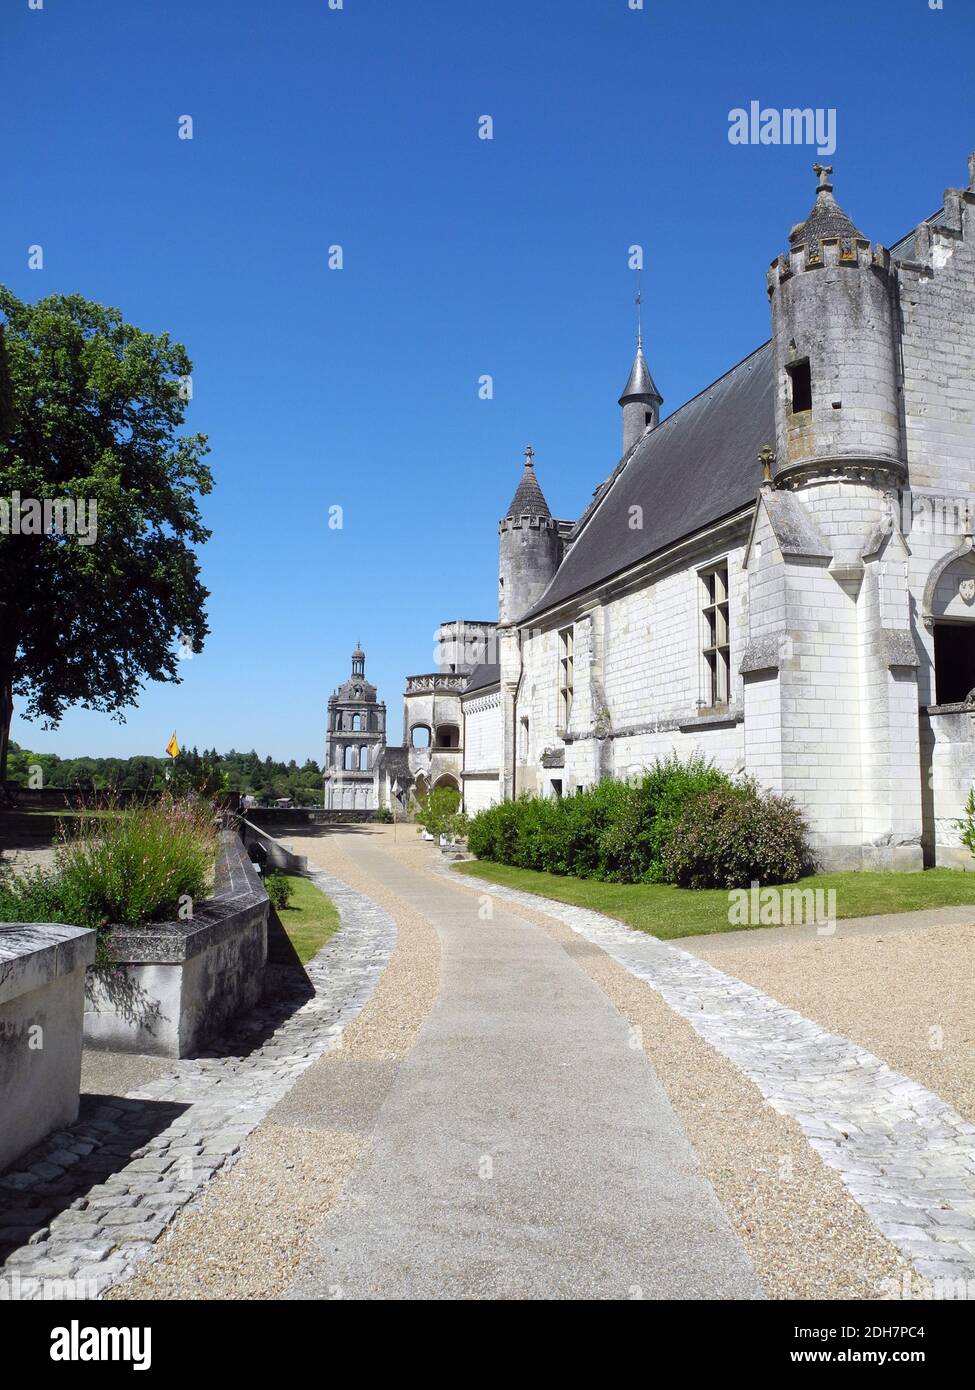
[
  {"x": 174, "y": 985},
  {"x": 42, "y": 1000}
]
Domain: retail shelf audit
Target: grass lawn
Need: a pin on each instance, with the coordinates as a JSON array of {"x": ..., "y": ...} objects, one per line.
[
  {"x": 309, "y": 919},
  {"x": 670, "y": 912}
]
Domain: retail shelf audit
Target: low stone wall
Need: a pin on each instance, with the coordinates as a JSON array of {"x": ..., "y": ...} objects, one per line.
[
  {"x": 279, "y": 856},
  {"x": 273, "y": 816},
  {"x": 42, "y": 1001},
  {"x": 176, "y": 984}
]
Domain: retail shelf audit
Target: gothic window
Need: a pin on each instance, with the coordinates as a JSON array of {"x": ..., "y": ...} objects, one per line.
[
  {"x": 349, "y": 758},
  {"x": 800, "y": 386},
  {"x": 954, "y": 662},
  {"x": 523, "y": 741},
  {"x": 715, "y": 649},
  {"x": 363, "y": 759},
  {"x": 566, "y": 676},
  {"x": 356, "y": 723}
]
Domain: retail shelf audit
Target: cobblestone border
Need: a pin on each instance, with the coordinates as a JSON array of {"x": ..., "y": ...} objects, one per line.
[
  {"x": 79, "y": 1214},
  {"x": 905, "y": 1156}
]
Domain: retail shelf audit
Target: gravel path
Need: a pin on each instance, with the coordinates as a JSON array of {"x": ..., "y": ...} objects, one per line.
[
  {"x": 905, "y": 1156},
  {"x": 906, "y": 996},
  {"x": 524, "y": 1148},
  {"x": 806, "y": 1236},
  {"x": 249, "y": 1234}
]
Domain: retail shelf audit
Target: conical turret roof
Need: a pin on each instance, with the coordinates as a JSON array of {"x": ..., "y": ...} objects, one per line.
[
  {"x": 528, "y": 495},
  {"x": 827, "y": 219},
  {"x": 640, "y": 384}
]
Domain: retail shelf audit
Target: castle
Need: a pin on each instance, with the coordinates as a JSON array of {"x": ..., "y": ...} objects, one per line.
[{"x": 779, "y": 576}]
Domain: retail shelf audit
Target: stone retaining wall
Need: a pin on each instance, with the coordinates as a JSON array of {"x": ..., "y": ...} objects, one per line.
[
  {"x": 279, "y": 856},
  {"x": 42, "y": 992},
  {"x": 176, "y": 984}
]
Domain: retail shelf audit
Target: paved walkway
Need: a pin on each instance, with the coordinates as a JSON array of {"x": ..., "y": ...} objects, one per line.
[
  {"x": 526, "y": 1148},
  {"x": 903, "y": 1153}
]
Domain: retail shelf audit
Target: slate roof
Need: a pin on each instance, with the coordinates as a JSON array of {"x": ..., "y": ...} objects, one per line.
[
  {"x": 483, "y": 677},
  {"x": 827, "y": 219},
  {"x": 528, "y": 497},
  {"x": 699, "y": 465}
]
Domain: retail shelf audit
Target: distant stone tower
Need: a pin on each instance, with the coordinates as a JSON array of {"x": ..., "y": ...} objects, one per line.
[
  {"x": 354, "y": 742},
  {"x": 641, "y": 401},
  {"x": 531, "y": 547},
  {"x": 829, "y": 608}
]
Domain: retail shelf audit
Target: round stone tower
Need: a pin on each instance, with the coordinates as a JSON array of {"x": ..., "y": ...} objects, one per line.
[
  {"x": 531, "y": 547},
  {"x": 837, "y": 398},
  {"x": 640, "y": 401}
]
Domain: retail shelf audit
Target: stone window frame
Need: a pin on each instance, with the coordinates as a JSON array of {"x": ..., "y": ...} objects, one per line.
[
  {"x": 566, "y": 674},
  {"x": 714, "y": 609}
]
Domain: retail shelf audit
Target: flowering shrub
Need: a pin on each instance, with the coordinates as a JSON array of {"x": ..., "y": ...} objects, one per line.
[
  {"x": 127, "y": 868},
  {"x": 735, "y": 835}
]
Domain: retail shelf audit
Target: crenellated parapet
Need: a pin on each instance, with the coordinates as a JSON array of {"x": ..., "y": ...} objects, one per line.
[{"x": 858, "y": 254}]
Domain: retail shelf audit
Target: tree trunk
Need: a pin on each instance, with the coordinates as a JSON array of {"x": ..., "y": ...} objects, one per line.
[
  {"x": 6, "y": 714},
  {"x": 8, "y": 651}
]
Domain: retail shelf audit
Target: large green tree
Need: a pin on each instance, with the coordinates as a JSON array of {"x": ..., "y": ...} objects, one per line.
[{"x": 90, "y": 411}]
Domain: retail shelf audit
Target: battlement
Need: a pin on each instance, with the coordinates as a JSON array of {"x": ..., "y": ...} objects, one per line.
[
  {"x": 530, "y": 520},
  {"x": 857, "y": 253}
]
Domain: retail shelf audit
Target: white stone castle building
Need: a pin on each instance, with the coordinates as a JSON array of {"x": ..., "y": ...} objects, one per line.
[{"x": 781, "y": 574}]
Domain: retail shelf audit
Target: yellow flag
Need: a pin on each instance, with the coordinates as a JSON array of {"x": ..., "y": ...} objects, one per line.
[{"x": 172, "y": 747}]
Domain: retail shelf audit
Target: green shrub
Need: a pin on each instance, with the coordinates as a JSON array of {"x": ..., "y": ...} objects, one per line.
[
  {"x": 279, "y": 890},
  {"x": 615, "y": 830},
  {"x": 492, "y": 833},
  {"x": 734, "y": 835},
  {"x": 633, "y": 843},
  {"x": 439, "y": 813},
  {"x": 384, "y": 815}
]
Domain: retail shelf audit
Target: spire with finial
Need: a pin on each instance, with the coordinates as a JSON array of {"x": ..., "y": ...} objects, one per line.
[
  {"x": 827, "y": 221},
  {"x": 641, "y": 401},
  {"x": 358, "y": 661},
  {"x": 529, "y": 500}
]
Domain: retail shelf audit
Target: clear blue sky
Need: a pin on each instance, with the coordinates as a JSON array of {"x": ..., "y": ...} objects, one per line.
[{"x": 358, "y": 387}]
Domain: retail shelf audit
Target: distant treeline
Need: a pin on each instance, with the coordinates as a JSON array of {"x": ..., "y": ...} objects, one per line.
[{"x": 218, "y": 772}]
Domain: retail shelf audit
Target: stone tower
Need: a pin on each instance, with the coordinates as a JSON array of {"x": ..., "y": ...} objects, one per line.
[
  {"x": 531, "y": 547},
  {"x": 641, "y": 401},
  {"x": 829, "y": 613},
  {"x": 354, "y": 742},
  {"x": 837, "y": 399}
]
